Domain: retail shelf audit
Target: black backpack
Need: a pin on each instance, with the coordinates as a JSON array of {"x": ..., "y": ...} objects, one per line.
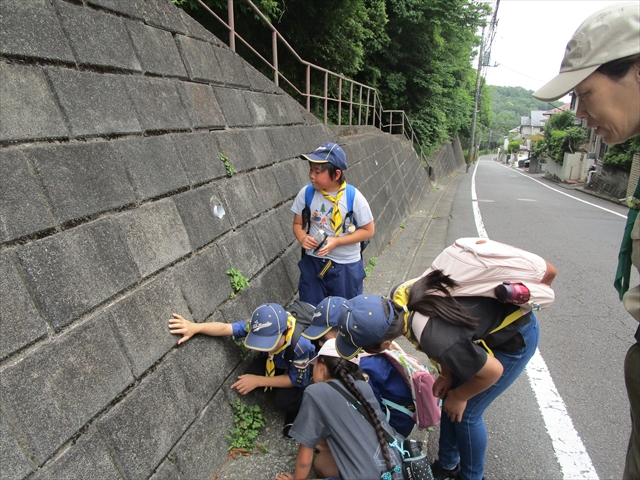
[{"x": 303, "y": 313}]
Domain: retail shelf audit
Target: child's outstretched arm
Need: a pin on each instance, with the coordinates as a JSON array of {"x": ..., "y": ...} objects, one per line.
[{"x": 181, "y": 326}]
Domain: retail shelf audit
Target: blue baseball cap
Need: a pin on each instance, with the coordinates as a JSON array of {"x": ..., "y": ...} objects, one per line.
[
  {"x": 364, "y": 324},
  {"x": 268, "y": 323},
  {"x": 328, "y": 153},
  {"x": 326, "y": 316}
]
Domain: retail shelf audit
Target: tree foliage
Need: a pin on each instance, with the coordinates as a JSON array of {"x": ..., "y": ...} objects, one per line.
[
  {"x": 509, "y": 104},
  {"x": 415, "y": 52},
  {"x": 561, "y": 136},
  {"x": 621, "y": 154},
  {"x": 559, "y": 121}
]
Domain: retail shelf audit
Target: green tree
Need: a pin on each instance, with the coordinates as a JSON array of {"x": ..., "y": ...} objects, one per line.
[
  {"x": 559, "y": 121},
  {"x": 416, "y": 53}
]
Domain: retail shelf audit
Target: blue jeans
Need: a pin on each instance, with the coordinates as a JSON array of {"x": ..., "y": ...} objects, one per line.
[{"x": 465, "y": 442}]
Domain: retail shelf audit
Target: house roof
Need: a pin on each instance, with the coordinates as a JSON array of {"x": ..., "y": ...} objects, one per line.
[
  {"x": 525, "y": 121},
  {"x": 560, "y": 109}
]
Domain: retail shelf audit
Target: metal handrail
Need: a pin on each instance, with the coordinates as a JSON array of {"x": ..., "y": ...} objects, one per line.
[{"x": 369, "y": 105}]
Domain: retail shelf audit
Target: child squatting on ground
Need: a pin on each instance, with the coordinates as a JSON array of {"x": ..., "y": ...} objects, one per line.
[
  {"x": 333, "y": 267},
  {"x": 349, "y": 445},
  {"x": 383, "y": 378},
  {"x": 269, "y": 333}
]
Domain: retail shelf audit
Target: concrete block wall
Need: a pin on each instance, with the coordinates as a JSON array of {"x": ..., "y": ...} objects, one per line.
[{"x": 114, "y": 116}]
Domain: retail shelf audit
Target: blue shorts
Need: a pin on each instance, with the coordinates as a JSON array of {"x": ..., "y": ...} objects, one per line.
[{"x": 339, "y": 280}]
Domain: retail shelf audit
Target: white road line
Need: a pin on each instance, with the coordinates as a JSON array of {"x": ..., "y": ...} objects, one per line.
[
  {"x": 561, "y": 192},
  {"x": 569, "y": 449}
]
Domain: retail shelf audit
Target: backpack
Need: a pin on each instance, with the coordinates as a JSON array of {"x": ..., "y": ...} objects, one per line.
[
  {"x": 303, "y": 313},
  {"x": 420, "y": 381},
  {"x": 306, "y": 212},
  {"x": 479, "y": 265}
]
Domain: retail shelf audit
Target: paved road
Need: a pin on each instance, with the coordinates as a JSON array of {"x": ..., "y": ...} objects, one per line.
[{"x": 584, "y": 334}]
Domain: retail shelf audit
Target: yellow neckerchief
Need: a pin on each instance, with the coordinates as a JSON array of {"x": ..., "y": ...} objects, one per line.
[
  {"x": 401, "y": 297},
  {"x": 271, "y": 366},
  {"x": 336, "y": 216}
]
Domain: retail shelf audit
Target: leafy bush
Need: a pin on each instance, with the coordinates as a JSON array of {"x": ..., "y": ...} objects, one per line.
[
  {"x": 514, "y": 146},
  {"x": 621, "y": 155},
  {"x": 538, "y": 148},
  {"x": 559, "y": 121},
  {"x": 575, "y": 136}
]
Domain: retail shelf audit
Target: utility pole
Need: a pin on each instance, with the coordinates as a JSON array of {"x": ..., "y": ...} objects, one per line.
[{"x": 475, "y": 106}]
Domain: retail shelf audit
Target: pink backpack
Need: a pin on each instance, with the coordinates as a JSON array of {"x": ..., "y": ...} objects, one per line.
[
  {"x": 420, "y": 380},
  {"x": 479, "y": 265}
]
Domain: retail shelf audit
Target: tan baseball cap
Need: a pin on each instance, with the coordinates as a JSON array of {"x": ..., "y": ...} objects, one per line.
[{"x": 607, "y": 35}]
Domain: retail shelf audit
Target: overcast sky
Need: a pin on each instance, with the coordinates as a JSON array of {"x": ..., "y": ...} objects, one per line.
[{"x": 531, "y": 37}]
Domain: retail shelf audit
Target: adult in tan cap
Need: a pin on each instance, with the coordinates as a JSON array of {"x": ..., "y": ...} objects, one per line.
[{"x": 601, "y": 66}]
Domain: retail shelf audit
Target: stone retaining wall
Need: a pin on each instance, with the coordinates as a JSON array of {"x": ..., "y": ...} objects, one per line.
[{"x": 115, "y": 114}]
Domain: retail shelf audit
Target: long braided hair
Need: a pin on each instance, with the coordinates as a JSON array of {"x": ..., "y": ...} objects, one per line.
[
  {"x": 347, "y": 373},
  {"x": 430, "y": 296}
]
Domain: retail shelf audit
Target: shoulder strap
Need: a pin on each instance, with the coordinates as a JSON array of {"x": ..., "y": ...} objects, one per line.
[
  {"x": 351, "y": 195},
  {"x": 308, "y": 195},
  {"x": 306, "y": 211},
  {"x": 358, "y": 406},
  {"x": 290, "y": 351}
]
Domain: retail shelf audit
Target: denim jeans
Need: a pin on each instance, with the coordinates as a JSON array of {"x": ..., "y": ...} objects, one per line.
[{"x": 465, "y": 442}]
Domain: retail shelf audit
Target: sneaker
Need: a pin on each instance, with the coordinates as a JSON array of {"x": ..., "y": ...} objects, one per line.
[{"x": 441, "y": 473}]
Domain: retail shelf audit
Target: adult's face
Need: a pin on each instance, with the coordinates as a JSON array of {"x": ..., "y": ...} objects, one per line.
[{"x": 610, "y": 105}]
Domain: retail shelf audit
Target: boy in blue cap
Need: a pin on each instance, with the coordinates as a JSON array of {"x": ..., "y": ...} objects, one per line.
[
  {"x": 270, "y": 332},
  {"x": 385, "y": 380},
  {"x": 333, "y": 266}
]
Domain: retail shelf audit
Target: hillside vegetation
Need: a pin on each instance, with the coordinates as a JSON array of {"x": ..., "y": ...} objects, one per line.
[{"x": 508, "y": 104}]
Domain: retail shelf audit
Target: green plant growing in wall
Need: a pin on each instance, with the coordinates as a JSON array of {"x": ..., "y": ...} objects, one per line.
[
  {"x": 244, "y": 351},
  {"x": 402, "y": 225},
  {"x": 247, "y": 420},
  {"x": 238, "y": 281},
  {"x": 372, "y": 263},
  {"x": 227, "y": 165}
]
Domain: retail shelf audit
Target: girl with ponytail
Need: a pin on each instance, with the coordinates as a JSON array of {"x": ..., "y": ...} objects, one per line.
[
  {"x": 349, "y": 446},
  {"x": 477, "y": 363}
]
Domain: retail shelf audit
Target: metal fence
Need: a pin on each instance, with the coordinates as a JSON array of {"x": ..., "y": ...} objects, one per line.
[{"x": 343, "y": 100}]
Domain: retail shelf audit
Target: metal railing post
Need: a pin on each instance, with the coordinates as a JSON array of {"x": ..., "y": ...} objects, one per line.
[
  {"x": 340, "y": 101},
  {"x": 367, "y": 114},
  {"x": 360, "y": 108},
  {"x": 326, "y": 93},
  {"x": 274, "y": 48},
  {"x": 351, "y": 104},
  {"x": 232, "y": 30},
  {"x": 375, "y": 107},
  {"x": 308, "y": 88}
]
